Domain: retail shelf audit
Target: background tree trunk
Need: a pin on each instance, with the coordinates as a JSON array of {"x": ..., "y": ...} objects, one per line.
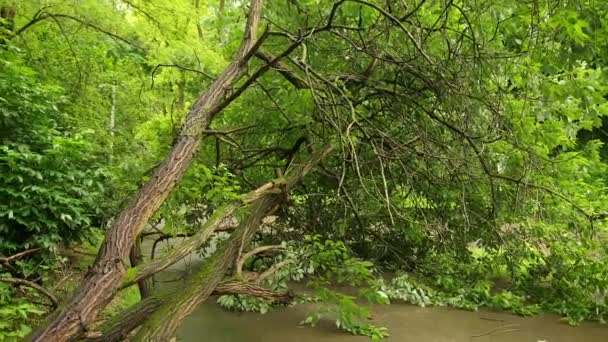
[{"x": 136, "y": 258}]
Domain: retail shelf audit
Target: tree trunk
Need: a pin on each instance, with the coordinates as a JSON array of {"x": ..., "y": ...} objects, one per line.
[
  {"x": 147, "y": 270},
  {"x": 7, "y": 13},
  {"x": 120, "y": 327},
  {"x": 204, "y": 282},
  {"x": 136, "y": 258},
  {"x": 105, "y": 276},
  {"x": 7, "y": 24},
  {"x": 235, "y": 287}
]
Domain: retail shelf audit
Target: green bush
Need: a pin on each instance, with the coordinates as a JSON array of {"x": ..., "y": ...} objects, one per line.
[
  {"x": 542, "y": 268},
  {"x": 16, "y": 315},
  {"x": 51, "y": 184}
]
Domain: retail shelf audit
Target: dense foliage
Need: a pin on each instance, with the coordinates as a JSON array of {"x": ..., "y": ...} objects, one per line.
[{"x": 469, "y": 137}]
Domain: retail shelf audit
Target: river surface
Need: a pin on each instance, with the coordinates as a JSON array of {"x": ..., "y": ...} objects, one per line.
[{"x": 211, "y": 323}]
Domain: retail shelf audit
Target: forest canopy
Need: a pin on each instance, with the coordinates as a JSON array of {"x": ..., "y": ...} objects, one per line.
[{"x": 456, "y": 145}]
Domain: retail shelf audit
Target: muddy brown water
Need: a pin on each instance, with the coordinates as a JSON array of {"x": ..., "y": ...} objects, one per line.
[
  {"x": 211, "y": 323},
  {"x": 406, "y": 323}
]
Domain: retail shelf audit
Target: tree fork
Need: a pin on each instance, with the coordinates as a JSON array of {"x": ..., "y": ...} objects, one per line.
[
  {"x": 146, "y": 270},
  {"x": 154, "y": 312},
  {"x": 161, "y": 325},
  {"x": 158, "y": 312},
  {"x": 104, "y": 277},
  {"x": 220, "y": 219}
]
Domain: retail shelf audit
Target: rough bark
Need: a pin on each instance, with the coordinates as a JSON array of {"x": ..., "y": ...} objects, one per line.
[
  {"x": 248, "y": 289},
  {"x": 221, "y": 219},
  {"x": 122, "y": 326},
  {"x": 155, "y": 311},
  {"x": 105, "y": 276},
  {"x": 161, "y": 326}
]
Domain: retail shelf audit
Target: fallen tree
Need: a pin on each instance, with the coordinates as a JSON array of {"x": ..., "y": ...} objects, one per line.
[
  {"x": 105, "y": 276},
  {"x": 163, "y": 323},
  {"x": 161, "y": 313},
  {"x": 428, "y": 144}
]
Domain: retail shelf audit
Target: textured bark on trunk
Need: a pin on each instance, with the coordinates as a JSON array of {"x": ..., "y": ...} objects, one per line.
[
  {"x": 7, "y": 13},
  {"x": 218, "y": 221},
  {"x": 105, "y": 276},
  {"x": 242, "y": 288},
  {"x": 120, "y": 327},
  {"x": 205, "y": 280}
]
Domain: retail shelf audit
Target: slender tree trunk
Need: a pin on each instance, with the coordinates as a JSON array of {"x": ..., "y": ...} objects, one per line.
[
  {"x": 121, "y": 326},
  {"x": 105, "y": 276},
  {"x": 7, "y": 24},
  {"x": 205, "y": 281},
  {"x": 242, "y": 288},
  {"x": 112, "y": 119},
  {"x": 136, "y": 258}
]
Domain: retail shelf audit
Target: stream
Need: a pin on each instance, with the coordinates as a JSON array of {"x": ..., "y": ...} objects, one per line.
[{"x": 211, "y": 323}]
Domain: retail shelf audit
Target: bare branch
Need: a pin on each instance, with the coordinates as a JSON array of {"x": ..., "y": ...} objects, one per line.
[
  {"x": 283, "y": 69},
  {"x": 42, "y": 290},
  {"x": 206, "y": 75},
  {"x": 272, "y": 270},
  {"x": 46, "y": 15},
  {"x": 241, "y": 261},
  {"x": 19, "y": 255},
  {"x": 145, "y": 13}
]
